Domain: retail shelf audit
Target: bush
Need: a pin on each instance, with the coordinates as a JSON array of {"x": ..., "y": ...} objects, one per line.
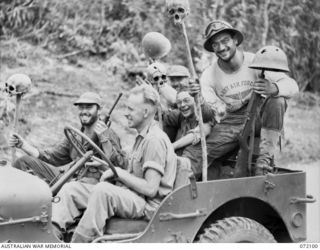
[{"x": 107, "y": 28}]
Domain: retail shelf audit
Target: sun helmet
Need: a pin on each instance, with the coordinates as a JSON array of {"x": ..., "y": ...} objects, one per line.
[
  {"x": 270, "y": 58},
  {"x": 155, "y": 45}
]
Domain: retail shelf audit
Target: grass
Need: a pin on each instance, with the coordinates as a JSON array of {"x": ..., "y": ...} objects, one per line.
[{"x": 302, "y": 130}]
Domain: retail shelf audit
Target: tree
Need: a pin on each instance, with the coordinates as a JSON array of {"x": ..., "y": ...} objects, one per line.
[{"x": 102, "y": 27}]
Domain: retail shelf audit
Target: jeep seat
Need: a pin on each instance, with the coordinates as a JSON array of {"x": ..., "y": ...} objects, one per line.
[{"x": 118, "y": 225}]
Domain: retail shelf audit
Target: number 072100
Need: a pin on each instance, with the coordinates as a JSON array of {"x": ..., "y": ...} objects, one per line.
[{"x": 309, "y": 245}]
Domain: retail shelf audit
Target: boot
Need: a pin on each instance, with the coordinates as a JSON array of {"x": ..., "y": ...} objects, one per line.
[
  {"x": 57, "y": 231},
  {"x": 268, "y": 147},
  {"x": 79, "y": 238}
]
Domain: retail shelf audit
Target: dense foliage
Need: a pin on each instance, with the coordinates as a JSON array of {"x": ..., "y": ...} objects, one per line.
[{"x": 108, "y": 28}]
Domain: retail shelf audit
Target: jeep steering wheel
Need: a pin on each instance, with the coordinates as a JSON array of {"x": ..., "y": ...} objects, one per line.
[{"x": 71, "y": 134}]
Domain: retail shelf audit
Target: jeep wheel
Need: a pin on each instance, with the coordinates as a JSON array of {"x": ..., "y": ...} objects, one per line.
[{"x": 236, "y": 229}]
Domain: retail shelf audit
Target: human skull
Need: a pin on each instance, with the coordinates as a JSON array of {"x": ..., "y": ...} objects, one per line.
[
  {"x": 157, "y": 73},
  {"x": 178, "y": 9},
  {"x": 18, "y": 84}
]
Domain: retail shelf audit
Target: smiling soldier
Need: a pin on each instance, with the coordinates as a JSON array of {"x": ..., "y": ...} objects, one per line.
[
  {"x": 230, "y": 79},
  {"x": 139, "y": 189},
  {"x": 185, "y": 121},
  {"x": 44, "y": 163}
]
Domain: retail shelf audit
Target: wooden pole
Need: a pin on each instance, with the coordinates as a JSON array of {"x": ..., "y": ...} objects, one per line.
[
  {"x": 198, "y": 107},
  {"x": 159, "y": 108},
  {"x": 15, "y": 123}
]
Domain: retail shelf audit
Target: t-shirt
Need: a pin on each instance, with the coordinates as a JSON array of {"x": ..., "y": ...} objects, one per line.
[{"x": 235, "y": 88}]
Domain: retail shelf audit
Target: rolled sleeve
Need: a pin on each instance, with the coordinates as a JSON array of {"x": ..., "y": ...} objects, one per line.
[
  {"x": 153, "y": 165},
  {"x": 58, "y": 155},
  {"x": 154, "y": 156},
  {"x": 287, "y": 86}
]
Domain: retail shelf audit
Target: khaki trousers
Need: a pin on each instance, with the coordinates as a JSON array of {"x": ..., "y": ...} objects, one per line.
[{"x": 99, "y": 202}]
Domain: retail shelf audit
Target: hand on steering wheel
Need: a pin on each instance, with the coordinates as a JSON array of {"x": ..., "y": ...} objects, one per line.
[
  {"x": 71, "y": 133},
  {"x": 107, "y": 175}
]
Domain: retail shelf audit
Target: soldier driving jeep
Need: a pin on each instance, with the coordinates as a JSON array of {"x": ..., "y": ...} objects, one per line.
[
  {"x": 45, "y": 162},
  {"x": 138, "y": 191}
]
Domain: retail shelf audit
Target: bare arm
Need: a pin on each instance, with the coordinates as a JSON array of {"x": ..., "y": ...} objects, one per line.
[
  {"x": 189, "y": 138},
  {"x": 147, "y": 186},
  {"x": 17, "y": 141},
  {"x": 153, "y": 161}
]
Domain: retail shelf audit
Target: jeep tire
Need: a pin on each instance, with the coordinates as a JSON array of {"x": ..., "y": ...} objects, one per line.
[{"x": 236, "y": 229}]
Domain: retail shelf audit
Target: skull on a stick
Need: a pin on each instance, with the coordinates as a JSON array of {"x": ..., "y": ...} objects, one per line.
[
  {"x": 157, "y": 73},
  {"x": 178, "y": 9},
  {"x": 18, "y": 84}
]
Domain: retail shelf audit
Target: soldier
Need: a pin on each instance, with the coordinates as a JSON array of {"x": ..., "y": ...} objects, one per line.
[
  {"x": 139, "y": 189},
  {"x": 230, "y": 79},
  {"x": 178, "y": 77},
  {"x": 185, "y": 122},
  {"x": 134, "y": 72},
  {"x": 44, "y": 163}
]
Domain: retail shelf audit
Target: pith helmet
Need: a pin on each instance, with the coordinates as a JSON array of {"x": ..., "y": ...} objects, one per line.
[
  {"x": 270, "y": 58},
  {"x": 89, "y": 98},
  {"x": 216, "y": 27},
  {"x": 155, "y": 45},
  {"x": 178, "y": 70}
]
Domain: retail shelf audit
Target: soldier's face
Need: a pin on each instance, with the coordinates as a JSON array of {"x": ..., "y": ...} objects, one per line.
[
  {"x": 88, "y": 114},
  {"x": 179, "y": 82},
  {"x": 136, "y": 111},
  {"x": 224, "y": 46},
  {"x": 185, "y": 104}
]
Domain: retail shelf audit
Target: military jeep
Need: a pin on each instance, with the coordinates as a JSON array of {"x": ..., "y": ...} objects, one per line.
[{"x": 269, "y": 208}]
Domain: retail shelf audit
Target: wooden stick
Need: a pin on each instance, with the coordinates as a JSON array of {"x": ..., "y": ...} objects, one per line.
[
  {"x": 159, "y": 109},
  {"x": 15, "y": 123},
  {"x": 198, "y": 106}
]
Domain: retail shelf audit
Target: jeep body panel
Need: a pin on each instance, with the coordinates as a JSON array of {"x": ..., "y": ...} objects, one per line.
[
  {"x": 25, "y": 207},
  {"x": 180, "y": 217}
]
